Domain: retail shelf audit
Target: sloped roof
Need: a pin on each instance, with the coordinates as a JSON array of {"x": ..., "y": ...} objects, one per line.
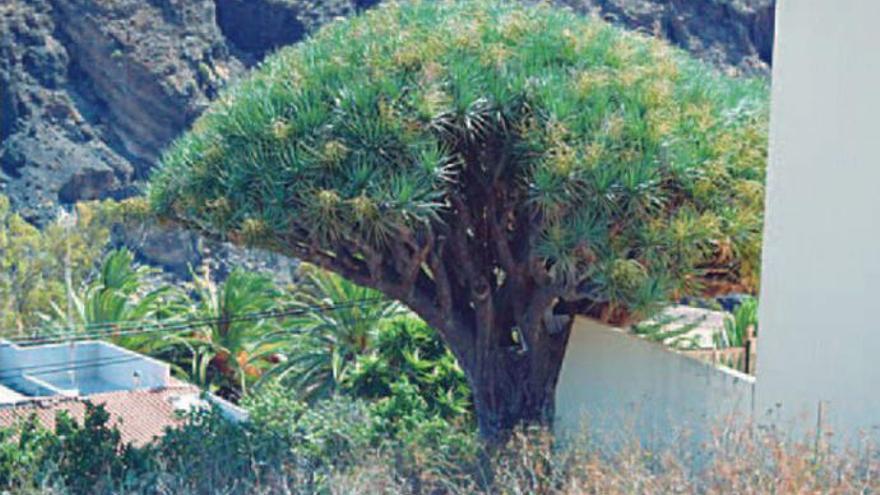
[{"x": 140, "y": 415}]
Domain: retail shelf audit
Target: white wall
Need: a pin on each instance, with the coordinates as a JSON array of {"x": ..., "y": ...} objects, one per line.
[
  {"x": 618, "y": 387},
  {"x": 48, "y": 356},
  {"x": 44, "y": 369},
  {"x": 123, "y": 364},
  {"x": 820, "y": 294}
]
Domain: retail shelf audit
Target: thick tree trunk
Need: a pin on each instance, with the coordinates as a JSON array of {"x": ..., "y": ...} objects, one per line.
[
  {"x": 474, "y": 278},
  {"x": 516, "y": 387}
]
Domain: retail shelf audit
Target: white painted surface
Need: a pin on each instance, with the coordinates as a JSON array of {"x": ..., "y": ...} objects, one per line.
[
  {"x": 619, "y": 387},
  {"x": 9, "y": 396},
  {"x": 820, "y": 337},
  {"x": 81, "y": 369},
  {"x": 229, "y": 410}
]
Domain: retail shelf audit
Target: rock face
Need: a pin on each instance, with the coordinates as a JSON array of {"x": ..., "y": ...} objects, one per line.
[
  {"x": 149, "y": 68},
  {"x": 91, "y": 91},
  {"x": 177, "y": 252},
  {"x": 733, "y": 34},
  {"x": 255, "y": 28},
  {"x": 50, "y": 151}
]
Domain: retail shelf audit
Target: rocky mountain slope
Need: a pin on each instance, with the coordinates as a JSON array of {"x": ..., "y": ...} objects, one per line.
[
  {"x": 91, "y": 91},
  {"x": 733, "y": 34}
]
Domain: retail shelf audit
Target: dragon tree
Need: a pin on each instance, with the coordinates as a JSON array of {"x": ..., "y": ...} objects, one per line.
[{"x": 498, "y": 168}]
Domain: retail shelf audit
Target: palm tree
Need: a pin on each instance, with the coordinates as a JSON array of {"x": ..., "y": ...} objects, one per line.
[
  {"x": 229, "y": 349},
  {"x": 116, "y": 303},
  {"x": 340, "y": 321}
]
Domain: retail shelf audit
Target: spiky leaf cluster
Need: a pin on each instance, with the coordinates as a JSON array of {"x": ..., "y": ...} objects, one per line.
[{"x": 627, "y": 170}]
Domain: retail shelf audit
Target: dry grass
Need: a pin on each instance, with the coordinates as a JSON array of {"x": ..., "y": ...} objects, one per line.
[
  {"x": 742, "y": 461},
  {"x": 738, "y": 460}
]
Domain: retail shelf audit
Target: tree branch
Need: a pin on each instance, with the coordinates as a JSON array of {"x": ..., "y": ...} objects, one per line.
[
  {"x": 441, "y": 277},
  {"x": 459, "y": 240},
  {"x": 333, "y": 262},
  {"x": 498, "y": 231}
]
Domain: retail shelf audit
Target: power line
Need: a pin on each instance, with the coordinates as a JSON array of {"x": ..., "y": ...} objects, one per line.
[
  {"x": 154, "y": 327},
  {"x": 67, "y": 365},
  {"x": 49, "y": 368},
  {"x": 94, "y": 364},
  {"x": 54, "y": 330},
  {"x": 114, "y": 325},
  {"x": 179, "y": 325},
  {"x": 37, "y": 330},
  {"x": 173, "y": 325},
  {"x": 61, "y": 367}
]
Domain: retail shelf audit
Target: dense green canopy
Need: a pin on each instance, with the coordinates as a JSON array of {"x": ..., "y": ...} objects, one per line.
[
  {"x": 643, "y": 164},
  {"x": 493, "y": 166}
]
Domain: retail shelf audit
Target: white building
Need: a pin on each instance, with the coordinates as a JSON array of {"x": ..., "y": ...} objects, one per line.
[
  {"x": 137, "y": 391},
  {"x": 76, "y": 369}
]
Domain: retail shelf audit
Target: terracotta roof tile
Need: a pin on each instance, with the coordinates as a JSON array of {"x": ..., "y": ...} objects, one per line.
[{"x": 140, "y": 415}]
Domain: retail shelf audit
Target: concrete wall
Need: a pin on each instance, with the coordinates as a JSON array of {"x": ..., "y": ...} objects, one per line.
[
  {"x": 229, "y": 410},
  {"x": 820, "y": 337},
  {"x": 124, "y": 364},
  {"x": 618, "y": 387},
  {"x": 82, "y": 368},
  {"x": 45, "y": 356}
]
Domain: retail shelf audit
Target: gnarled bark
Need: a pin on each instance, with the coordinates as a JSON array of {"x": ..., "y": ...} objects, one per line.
[
  {"x": 517, "y": 386},
  {"x": 474, "y": 278}
]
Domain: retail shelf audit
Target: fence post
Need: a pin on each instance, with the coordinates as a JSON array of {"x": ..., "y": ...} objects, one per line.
[{"x": 750, "y": 348}]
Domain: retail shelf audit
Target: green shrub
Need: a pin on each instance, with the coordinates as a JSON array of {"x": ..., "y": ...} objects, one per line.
[
  {"x": 320, "y": 437},
  {"x": 80, "y": 459},
  {"x": 34, "y": 262},
  {"x": 91, "y": 457},
  {"x": 408, "y": 364},
  {"x": 23, "y": 455},
  {"x": 736, "y": 327}
]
